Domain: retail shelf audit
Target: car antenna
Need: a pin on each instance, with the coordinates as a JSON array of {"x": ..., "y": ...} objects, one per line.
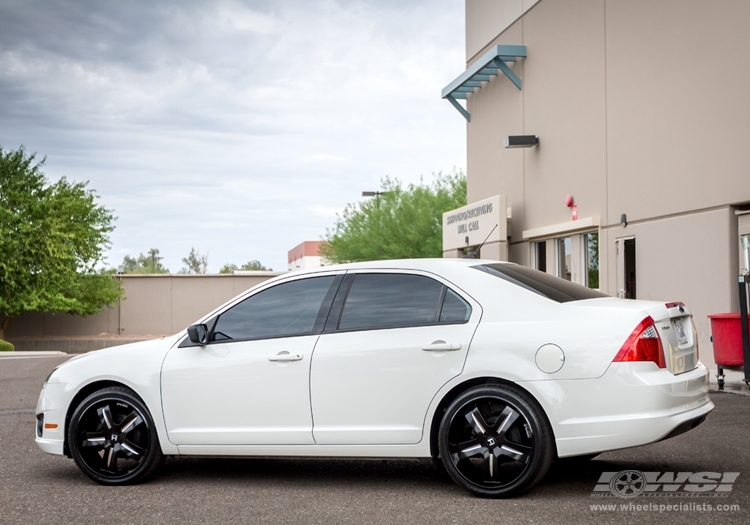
[{"x": 473, "y": 255}]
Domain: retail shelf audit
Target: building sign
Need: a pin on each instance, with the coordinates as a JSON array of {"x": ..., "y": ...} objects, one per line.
[{"x": 472, "y": 224}]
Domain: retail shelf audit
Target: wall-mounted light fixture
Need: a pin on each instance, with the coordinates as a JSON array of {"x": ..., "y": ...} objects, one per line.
[
  {"x": 624, "y": 220},
  {"x": 521, "y": 141}
]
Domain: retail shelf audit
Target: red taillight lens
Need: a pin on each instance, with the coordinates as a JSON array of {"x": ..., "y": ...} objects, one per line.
[{"x": 644, "y": 344}]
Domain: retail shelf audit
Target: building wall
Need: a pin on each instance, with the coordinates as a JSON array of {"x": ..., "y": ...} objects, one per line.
[
  {"x": 640, "y": 107},
  {"x": 305, "y": 256},
  {"x": 489, "y": 18},
  {"x": 152, "y": 305}
]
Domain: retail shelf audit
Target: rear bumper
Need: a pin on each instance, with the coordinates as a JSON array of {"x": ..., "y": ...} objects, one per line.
[{"x": 632, "y": 404}]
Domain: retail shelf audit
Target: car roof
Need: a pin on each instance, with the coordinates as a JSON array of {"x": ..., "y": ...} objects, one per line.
[{"x": 432, "y": 265}]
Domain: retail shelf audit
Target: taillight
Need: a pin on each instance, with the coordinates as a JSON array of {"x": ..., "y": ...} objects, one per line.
[{"x": 644, "y": 344}]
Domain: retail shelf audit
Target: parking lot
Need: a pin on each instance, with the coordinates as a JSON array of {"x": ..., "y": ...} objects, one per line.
[{"x": 40, "y": 488}]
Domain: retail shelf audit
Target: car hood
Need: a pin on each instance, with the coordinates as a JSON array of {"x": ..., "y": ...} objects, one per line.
[{"x": 114, "y": 362}]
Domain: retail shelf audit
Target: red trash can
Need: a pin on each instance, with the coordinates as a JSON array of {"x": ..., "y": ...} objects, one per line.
[{"x": 726, "y": 333}]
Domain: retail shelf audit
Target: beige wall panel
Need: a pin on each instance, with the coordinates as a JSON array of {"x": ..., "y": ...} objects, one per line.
[
  {"x": 46, "y": 324},
  {"x": 73, "y": 325},
  {"x": 669, "y": 266},
  {"x": 153, "y": 305},
  {"x": 26, "y": 325},
  {"x": 564, "y": 105},
  {"x": 496, "y": 112},
  {"x": 194, "y": 298},
  {"x": 486, "y": 19},
  {"x": 243, "y": 283},
  {"x": 147, "y": 305},
  {"x": 519, "y": 253},
  {"x": 677, "y": 105}
]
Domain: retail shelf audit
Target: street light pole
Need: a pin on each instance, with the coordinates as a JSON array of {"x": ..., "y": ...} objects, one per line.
[{"x": 375, "y": 194}]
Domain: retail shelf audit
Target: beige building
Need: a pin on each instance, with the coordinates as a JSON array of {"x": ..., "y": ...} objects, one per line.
[{"x": 638, "y": 181}]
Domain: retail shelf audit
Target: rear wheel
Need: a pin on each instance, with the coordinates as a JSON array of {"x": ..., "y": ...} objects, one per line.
[
  {"x": 495, "y": 442},
  {"x": 112, "y": 438}
]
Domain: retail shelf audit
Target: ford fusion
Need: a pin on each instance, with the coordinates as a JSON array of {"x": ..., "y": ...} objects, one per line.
[{"x": 492, "y": 368}]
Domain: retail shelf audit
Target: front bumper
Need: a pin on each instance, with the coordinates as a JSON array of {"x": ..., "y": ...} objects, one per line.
[{"x": 50, "y": 409}]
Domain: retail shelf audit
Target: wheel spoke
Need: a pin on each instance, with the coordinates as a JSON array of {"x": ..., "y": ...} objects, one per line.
[
  {"x": 133, "y": 450},
  {"x": 506, "y": 420},
  {"x": 513, "y": 451},
  {"x": 93, "y": 439},
  {"x": 111, "y": 459},
  {"x": 132, "y": 421},
  {"x": 476, "y": 421},
  {"x": 106, "y": 416}
]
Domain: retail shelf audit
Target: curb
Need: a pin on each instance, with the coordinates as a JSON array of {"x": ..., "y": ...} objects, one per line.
[{"x": 40, "y": 353}]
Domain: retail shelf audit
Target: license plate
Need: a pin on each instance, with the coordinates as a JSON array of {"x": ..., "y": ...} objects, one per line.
[{"x": 679, "y": 327}]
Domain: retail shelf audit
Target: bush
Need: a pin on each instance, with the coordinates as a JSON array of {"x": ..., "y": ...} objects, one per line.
[{"x": 5, "y": 346}]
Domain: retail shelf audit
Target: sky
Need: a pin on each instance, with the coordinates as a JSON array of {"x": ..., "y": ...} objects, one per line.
[{"x": 238, "y": 128}]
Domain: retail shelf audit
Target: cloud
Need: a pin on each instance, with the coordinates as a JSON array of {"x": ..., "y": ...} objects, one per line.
[{"x": 231, "y": 125}]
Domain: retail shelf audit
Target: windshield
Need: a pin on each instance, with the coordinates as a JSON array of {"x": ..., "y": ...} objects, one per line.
[{"x": 541, "y": 283}]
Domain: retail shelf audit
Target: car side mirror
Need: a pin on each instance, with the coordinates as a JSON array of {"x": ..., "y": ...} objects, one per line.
[{"x": 198, "y": 334}]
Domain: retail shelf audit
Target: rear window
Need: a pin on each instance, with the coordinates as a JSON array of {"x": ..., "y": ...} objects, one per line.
[{"x": 541, "y": 283}]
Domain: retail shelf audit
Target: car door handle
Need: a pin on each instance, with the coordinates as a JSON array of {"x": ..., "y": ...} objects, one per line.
[
  {"x": 285, "y": 357},
  {"x": 438, "y": 346}
]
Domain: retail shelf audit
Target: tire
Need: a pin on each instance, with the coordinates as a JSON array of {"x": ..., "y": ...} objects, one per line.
[
  {"x": 495, "y": 442},
  {"x": 112, "y": 438}
]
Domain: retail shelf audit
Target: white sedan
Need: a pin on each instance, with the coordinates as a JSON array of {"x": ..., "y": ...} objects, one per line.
[{"x": 494, "y": 368}]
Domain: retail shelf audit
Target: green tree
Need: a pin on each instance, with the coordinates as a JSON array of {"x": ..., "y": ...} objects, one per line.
[
  {"x": 149, "y": 263},
  {"x": 253, "y": 265},
  {"x": 52, "y": 240},
  {"x": 397, "y": 223},
  {"x": 195, "y": 262}
]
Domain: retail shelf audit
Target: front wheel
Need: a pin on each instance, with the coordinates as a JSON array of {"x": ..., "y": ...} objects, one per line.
[
  {"x": 112, "y": 437},
  {"x": 495, "y": 442}
]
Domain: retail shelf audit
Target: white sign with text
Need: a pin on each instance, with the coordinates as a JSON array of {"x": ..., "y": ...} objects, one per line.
[{"x": 472, "y": 224}]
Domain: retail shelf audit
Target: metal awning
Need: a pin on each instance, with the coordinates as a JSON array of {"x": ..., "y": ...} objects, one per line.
[{"x": 491, "y": 63}]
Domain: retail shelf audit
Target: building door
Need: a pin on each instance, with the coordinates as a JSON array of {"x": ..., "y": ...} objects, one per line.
[{"x": 626, "y": 282}]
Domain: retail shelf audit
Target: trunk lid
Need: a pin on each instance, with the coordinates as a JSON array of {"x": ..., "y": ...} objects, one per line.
[{"x": 673, "y": 322}]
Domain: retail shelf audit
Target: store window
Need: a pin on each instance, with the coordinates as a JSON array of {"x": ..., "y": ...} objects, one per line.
[
  {"x": 564, "y": 256},
  {"x": 574, "y": 257},
  {"x": 591, "y": 259}
]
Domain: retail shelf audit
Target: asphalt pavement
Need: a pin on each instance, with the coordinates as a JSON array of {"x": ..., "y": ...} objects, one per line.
[{"x": 41, "y": 488}]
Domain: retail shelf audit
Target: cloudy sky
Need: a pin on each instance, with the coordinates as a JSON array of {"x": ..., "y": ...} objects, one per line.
[{"x": 239, "y": 128}]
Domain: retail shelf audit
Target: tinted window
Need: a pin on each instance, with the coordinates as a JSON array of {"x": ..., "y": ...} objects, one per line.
[
  {"x": 542, "y": 283},
  {"x": 283, "y": 310},
  {"x": 455, "y": 309},
  {"x": 389, "y": 300}
]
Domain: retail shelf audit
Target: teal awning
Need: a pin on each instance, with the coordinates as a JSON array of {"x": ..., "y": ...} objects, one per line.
[{"x": 491, "y": 63}]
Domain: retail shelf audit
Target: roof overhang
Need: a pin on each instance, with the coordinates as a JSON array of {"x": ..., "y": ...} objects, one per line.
[{"x": 491, "y": 63}]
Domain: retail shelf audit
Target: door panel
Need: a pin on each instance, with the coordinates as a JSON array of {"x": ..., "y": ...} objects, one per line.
[
  {"x": 374, "y": 387},
  {"x": 239, "y": 393}
]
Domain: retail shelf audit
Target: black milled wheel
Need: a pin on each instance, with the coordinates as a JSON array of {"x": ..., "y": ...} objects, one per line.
[
  {"x": 112, "y": 438},
  {"x": 495, "y": 442}
]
